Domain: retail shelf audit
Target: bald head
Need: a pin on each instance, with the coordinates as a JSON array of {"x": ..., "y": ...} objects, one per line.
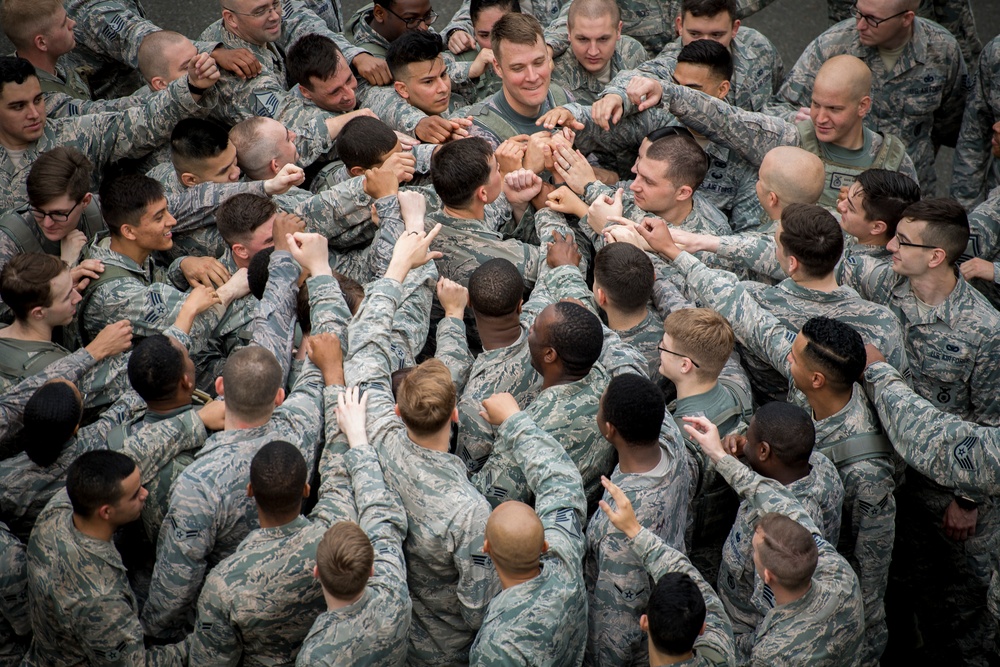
[
  {"x": 516, "y": 538},
  {"x": 795, "y": 175},
  {"x": 846, "y": 74}
]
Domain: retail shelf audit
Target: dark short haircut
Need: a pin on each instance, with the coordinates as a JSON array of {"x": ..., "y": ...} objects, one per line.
[
  {"x": 60, "y": 171},
  {"x": 251, "y": 378},
  {"x": 676, "y": 613},
  {"x": 155, "y": 368},
  {"x": 95, "y": 479},
  {"x": 887, "y": 194},
  {"x": 352, "y": 291},
  {"x": 788, "y": 429},
  {"x": 668, "y": 131},
  {"x": 476, "y": 7},
  {"x": 25, "y": 281},
  {"x": 312, "y": 56},
  {"x": 709, "y": 8},
  {"x": 813, "y": 236},
  {"x": 196, "y": 139},
  {"x": 15, "y": 70},
  {"x": 124, "y": 200},
  {"x": 278, "y": 475},
  {"x": 634, "y": 405},
  {"x": 788, "y": 550},
  {"x": 710, "y": 54},
  {"x": 238, "y": 217},
  {"x": 947, "y": 225},
  {"x": 626, "y": 274},
  {"x": 459, "y": 168},
  {"x": 496, "y": 288},
  {"x": 577, "y": 336},
  {"x": 259, "y": 271},
  {"x": 364, "y": 141},
  {"x": 687, "y": 163},
  {"x": 51, "y": 416},
  {"x": 413, "y": 46},
  {"x": 523, "y": 29},
  {"x": 836, "y": 348}
]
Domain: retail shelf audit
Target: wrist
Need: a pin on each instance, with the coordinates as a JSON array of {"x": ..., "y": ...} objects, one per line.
[
  {"x": 195, "y": 90},
  {"x": 320, "y": 270},
  {"x": 457, "y": 313},
  {"x": 966, "y": 503},
  {"x": 334, "y": 376},
  {"x": 397, "y": 273}
]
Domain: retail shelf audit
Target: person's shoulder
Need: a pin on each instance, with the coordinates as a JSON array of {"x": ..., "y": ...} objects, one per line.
[{"x": 933, "y": 34}]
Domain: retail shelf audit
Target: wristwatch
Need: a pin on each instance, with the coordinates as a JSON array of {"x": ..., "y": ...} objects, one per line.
[{"x": 966, "y": 503}]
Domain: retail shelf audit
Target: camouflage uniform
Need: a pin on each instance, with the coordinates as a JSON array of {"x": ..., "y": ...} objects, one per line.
[
  {"x": 372, "y": 630},
  {"x": 714, "y": 647},
  {"x": 704, "y": 218},
  {"x": 975, "y": 171},
  {"x": 567, "y": 412},
  {"x": 103, "y": 138},
  {"x": 921, "y": 100},
  {"x": 984, "y": 242},
  {"x": 757, "y": 71},
  {"x": 14, "y": 398},
  {"x": 210, "y": 513},
  {"x": 543, "y": 10},
  {"x": 495, "y": 120},
  {"x": 850, "y": 438},
  {"x": 617, "y": 586},
  {"x": 586, "y": 87},
  {"x": 15, "y": 623},
  {"x": 752, "y": 135},
  {"x": 542, "y": 622},
  {"x": 821, "y": 495},
  {"x": 823, "y": 627},
  {"x": 82, "y": 607},
  {"x": 451, "y": 580}
]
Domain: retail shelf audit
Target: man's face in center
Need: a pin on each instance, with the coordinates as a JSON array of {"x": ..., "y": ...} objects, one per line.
[{"x": 526, "y": 71}]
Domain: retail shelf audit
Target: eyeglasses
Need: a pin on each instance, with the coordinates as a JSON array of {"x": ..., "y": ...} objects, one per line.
[
  {"x": 260, "y": 12},
  {"x": 916, "y": 245},
  {"x": 56, "y": 216},
  {"x": 412, "y": 24},
  {"x": 678, "y": 354},
  {"x": 871, "y": 20}
]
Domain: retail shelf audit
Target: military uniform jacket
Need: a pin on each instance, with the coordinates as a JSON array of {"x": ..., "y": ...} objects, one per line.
[
  {"x": 451, "y": 580},
  {"x": 921, "y": 100},
  {"x": 584, "y": 86},
  {"x": 975, "y": 172},
  {"x": 15, "y": 621},
  {"x": 103, "y": 138},
  {"x": 542, "y": 622}
]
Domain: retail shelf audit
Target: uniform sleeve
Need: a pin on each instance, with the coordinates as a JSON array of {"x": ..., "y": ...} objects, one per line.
[
  {"x": 392, "y": 109},
  {"x": 754, "y": 251},
  {"x": 273, "y": 325},
  {"x": 948, "y": 116},
  {"x": 380, "y": 512},
  {"x": 390, "y": 228},
  {"x": 328, "y": 310},
  {"x": 763, "y": 493},
  {"x": 871, "y": 278},
  {"x": 952, "y": 452},
  {"x": 111, "y": 633},
  {"x": 411, "y": 323},
  {"x": 796, "y": 91},
  {"x": 110, "y": 29},
  {"x": 716, "y": 644},
  {"x": 340, "y": 213},
  {"x": 154, "y": 446},
  {"x": 453, "y": 350},
  {"x": 299, "y": 20},
  {"x": 336, "y": 497},
  {"x": 557, "y": 32},
  {"x": 368, "y": 362},
  {"x": 14, "y": 582},
  {"x": 13, "y": 400},
  {"x": 214, "y": 642},
  {"x": 194, "y": 207},
  {"x": 972, "y": 151},
  {"x": 555, "y": 480}
]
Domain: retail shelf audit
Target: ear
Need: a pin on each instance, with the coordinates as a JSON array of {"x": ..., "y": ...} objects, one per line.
[
  {"x": 188, "y": 179},
  {"x": 240, "y": 251},
  {"x": 105, "y": 512},
  {"x": 305, "y": 490},
  {"x": 249, "y": 490},
  {"x": 612, "y": 431},
  {"x": 684, "y": 192},
  {"x": 644, "y": 623},
  {"x": 767, "y": 576},
  {"x": 602, "y": 297},
  {"x": 938, "y": 258},
  {"x": 678, "y": 24},
  {"x": 395, "y": 409},
  {"x": 378, "y": 13},
  {"x": 229, "y": 19},
  {"x": 273, "y": 166},
  {"x": 618, "y": 31},
  {"x": 279, "y": 397},
  {"x": 356, "y": 171},
  {"x": 772, "y": 199},
  {"x": 38, "y": 313},
  {"x": 482, "y": 194},
  {"x": 401, "y": 90},
  {"x": 127, "y": 232},
  {"x": 879, "y": 227},
  {"x": 219, "y": 391},
  {"x": 454, "y": 415},
  {"x": 39, "y": 42},
  {"x": 486, "y": 545},
  {"x": 864, "y": 106},
  {"x": 818, "y": 380},
  {"x": 496, "y": 66},
  {"x": 550, "y": 356},
  {"x": 545, "y": 546},
  {"x": 793, "y": 264},
  {"x": 306, "y": 93},
  {"x": 704, "y": 626},
  {"x": 87, "y": 198},
  {"x": 158, "y": 83},
  {"x": 724, "y": 88},
  {"x": 520, "y": 304},
  {"x": 736, "y": 26},
  {"x": 186, "y": 384},
  {"x": 316, "y": 571},
  {"x": 765, "y": 450}
]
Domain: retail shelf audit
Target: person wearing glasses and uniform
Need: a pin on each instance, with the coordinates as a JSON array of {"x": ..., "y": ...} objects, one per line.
[{"x": 919, "y": 77}]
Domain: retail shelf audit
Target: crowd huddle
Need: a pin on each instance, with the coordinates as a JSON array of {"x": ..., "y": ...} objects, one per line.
[{"x": 571, "y": 333}]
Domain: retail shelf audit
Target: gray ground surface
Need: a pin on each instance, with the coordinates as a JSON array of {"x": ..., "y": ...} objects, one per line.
[{"x": 790, "y": 24}]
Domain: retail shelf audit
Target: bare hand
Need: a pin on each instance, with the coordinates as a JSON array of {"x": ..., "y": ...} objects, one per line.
[
  {"x": 111, "y": 340},
  {"x": 381, "y": 182},
  {"x": 657, "y": 235},
  {"x": 602, "y": 209},
  {"x": 287, "y": 178},
  {"x": 607, "y": 111},
  {"x": 337, "y": 123},
  {"x": 510, "y": 153},
  {"x": 71, "y": 245},
  {"x": 802, "y": 114},
  {"x": 412, "y": 249},
  {"x": 977, "y": 268},
  {"x": 624, "y": 232},
  {"x": 498, "y": 408},
  {"x": 406, "y": 141},
  {"x": 403, "y": 166},
  {"x": 622, "y": 516},
  {"x": 538, "y": 152},
  {"x": 460, "y": 41},
  {"x": 563, "y": 200},
  {"x": 351, "y": 412},
  {"x": 481, "y": 64},
  {"x": 236, "y": 287},
  {"x": 202, "y": 71},
  {"x": 434, "y": 130},
  {"x": 562, "y": 251},
  {"x": 706, "y": 434},
  {"x": 284, "y": 224},
  {"x": 734, "y": 443},
  {"x": 560, "y": 116},
  {"x": 453, "y": 297},
  {"x": 200, "y": 299},
  {"x": 644, "y": 92},
  {"x": 206, "y": 271},
  {"x": 572, "y": 167},
  {"x": 373, "y": 69},
  {"x": 213, "y": 416},
  {"x": 240, "y": 62},
  {"x": 84, "y": 272},
  {"x": 959, "y": 524},
  {"x": 325, "y": 352},
  {"x": 413, "y": 207},
  {"x": 311, "y": 251},
  {"x": 521, "y": 186}
]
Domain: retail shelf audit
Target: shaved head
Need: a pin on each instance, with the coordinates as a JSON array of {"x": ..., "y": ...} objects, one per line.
[
  {"x": 516, "y": 538},
  {"x": 846, "y": 74},
  {"x": 795, "y": 175}
]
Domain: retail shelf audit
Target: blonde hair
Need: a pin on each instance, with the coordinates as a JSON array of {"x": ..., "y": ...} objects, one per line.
[{"x": 703, "y": 335}]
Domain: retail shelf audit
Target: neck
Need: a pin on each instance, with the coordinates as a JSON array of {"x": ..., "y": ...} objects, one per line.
[
  {"x": 854, "y": 141},
  {"x": 826, "y": 283},
  {"x": 168, "y": 404},
  {"x": 333, "y": 604},
  {"x": 28, "y": 330},
  {"x": 678, "y": 213},
  {"x": 899, "y": 41},
  {"x": 42, "y": 60},
  {"x": 935, "y": 286},
  {"x": 234, "y": 423},
  {"x": 790, "y": 475},
  {"x": 236, "y": 32},
  {"x": 438, "y": 442},
  {"x": 554, "y": 376},
  {"x": 475, "y": 211},
  {"x": 123, "y": 246},
  {"x": 873, "y": 240},
  {"x": 634, "y": 459},
  {"x": 826, "y": 403},
  {"x": 268, "y": 520},
  {"x": 511, "y": 580},
  {"x": 526, "y": 111},
  {"x": 499, "y": 332},
  {"x": 619, "y": 321},
  {"x": 688, "y": 385},
  {"x": 783, "y": 596},
  {"x": 99, "y": 530}
]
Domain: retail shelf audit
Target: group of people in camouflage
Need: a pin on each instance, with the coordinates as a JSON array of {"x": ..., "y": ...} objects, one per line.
[{"x": 578, "y": 332}]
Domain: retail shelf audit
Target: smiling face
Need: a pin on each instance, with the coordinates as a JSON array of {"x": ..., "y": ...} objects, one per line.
[
  {"x": 56, "y": 230},
  {"x": 526, "y": 71},
  {"x": 262, "y": 28},
  {"x": 335, "y": 93},
  {"x": 835, "y": 115},
  {"x": 153, "y": 232}
]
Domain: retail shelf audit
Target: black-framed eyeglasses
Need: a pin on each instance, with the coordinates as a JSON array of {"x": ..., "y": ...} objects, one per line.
[
  {"x": 916, "y": 245},
  {"x": 678, "y": 354},
  {"x": 260, "y": 12},
  {"x": 56, "y": 216},
  {"x": 871, "y": 20},
  {"x": 412, "y": 24}
]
